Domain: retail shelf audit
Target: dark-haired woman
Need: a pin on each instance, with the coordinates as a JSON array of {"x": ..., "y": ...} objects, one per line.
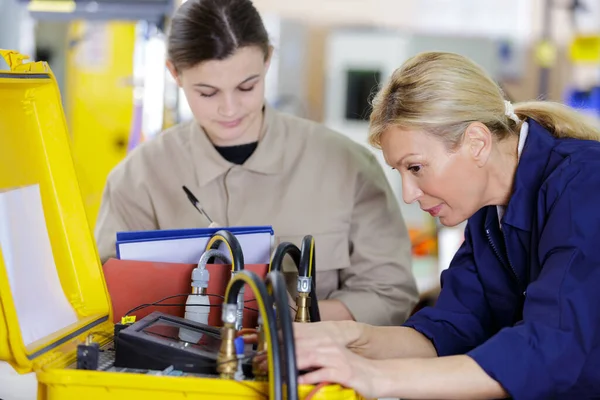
[{"x": 249, "y": 164}]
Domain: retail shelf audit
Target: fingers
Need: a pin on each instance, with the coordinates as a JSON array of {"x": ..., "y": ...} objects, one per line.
[
  {"x": 314, "y": 340},
  {"x": 309, "y": 356},
  {"x": 214, "y": 225},
  {"x": 319, "y": 352},
  {"x": 307, "y": 359},
  {"x": 329, "y": 364},
  {"x": 264, "y": 365},
  {"x": 338, "y": 365},
  {"x": 318, "y": 376},
  {"x": 311, "y": 330},
  {"x": 263, "y": 362}
]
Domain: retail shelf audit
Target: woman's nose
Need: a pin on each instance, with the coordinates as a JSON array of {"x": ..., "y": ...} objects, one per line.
[
  {"x": 410, "y": 191},
  {"x": 228, "y": 106}
]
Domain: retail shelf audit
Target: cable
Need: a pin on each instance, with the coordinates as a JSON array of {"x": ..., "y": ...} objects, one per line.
[
  {"x": 304, "y": 260},
  {"x": 237, "y": 264},
  {"x": 308, "y": 268},
  {"x": 200, "y": 275},
  {"x": 307, "y": 257},
  {"x": 212, "y": 253},
  {"x": 235, "y": 250},
  {"x": 190, "y": 305},
  {"x": 283, "y": 249},
  {"x": 156, "y": 303},
  {"x": 276, "y": 287},
  {"x": 265, "y": 306}
]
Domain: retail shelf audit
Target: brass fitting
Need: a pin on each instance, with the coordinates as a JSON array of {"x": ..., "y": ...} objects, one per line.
[
  {"x": 261, "y": 349},
  {"x": 227, "y": 359},
  {"x": 303, "y": 303}
]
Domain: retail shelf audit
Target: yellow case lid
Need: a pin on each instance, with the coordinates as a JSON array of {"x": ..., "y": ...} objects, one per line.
[{"x": 35, "y": 150}]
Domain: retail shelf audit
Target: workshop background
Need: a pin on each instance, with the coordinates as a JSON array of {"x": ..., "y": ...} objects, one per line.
[{"x": 330, "y": 55}]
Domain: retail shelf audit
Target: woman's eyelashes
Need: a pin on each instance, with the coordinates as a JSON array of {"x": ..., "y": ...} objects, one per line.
[
  {"x": 414, "y": 168},
  {"x": 241, "y": 89}
]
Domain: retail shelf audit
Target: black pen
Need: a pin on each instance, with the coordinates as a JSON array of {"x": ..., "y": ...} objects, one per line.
[{"x": 196, "y": 203}]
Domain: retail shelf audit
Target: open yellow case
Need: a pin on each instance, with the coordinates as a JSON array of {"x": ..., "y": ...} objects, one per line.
[{"x": 36, "y": 163}]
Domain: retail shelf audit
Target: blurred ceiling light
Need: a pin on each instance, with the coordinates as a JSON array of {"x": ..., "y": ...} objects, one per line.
[{"x": 52, "y": 6}]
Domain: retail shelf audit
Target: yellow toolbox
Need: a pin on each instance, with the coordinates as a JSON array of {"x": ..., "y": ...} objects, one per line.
[{"x": 35, "y": 152}]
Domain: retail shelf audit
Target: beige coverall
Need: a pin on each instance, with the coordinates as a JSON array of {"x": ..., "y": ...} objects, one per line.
[{"x": 302, "y": 179}]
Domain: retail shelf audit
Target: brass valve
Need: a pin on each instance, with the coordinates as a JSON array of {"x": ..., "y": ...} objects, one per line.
[
  {"x": 227, "y": 359},
  {"x": 303, "y": 303}
]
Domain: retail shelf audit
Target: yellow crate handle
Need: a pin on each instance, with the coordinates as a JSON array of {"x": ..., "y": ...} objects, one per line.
[{"x": 14, "y": 59}]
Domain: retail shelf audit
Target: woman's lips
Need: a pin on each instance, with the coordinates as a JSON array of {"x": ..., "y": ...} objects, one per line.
[
  {"x": 434, "y": 211},
  {"x": 230, "y": 124}
]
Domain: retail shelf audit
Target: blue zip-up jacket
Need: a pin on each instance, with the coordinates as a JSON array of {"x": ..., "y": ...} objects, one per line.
[{"x": 524, "y": 301}]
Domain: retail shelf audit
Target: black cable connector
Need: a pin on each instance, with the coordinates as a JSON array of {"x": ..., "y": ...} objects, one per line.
[{"x": 88, "y": 356}]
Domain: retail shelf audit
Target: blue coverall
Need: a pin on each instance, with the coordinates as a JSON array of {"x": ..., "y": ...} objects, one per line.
[{"x": 524, "y": 301}]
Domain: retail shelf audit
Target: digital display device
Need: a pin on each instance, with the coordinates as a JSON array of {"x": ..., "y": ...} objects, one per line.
[
  {"x": 160, "y": 340},
  {"x": 172, "y": 333}
]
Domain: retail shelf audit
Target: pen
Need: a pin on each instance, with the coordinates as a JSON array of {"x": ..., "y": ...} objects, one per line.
[{"x": 196, "y": 203}]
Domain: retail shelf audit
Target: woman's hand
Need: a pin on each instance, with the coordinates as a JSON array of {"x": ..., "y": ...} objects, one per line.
[
  {"x": 334, "y": 363},
  {"x": 452, "y": 377},
  {"x": 348, "y": 334}
]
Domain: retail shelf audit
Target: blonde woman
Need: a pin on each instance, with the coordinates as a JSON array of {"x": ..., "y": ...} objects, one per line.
[{"x": 519, "y": 311}]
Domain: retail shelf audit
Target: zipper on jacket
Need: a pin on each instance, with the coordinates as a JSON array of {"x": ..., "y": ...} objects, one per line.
[
  {"x": 521, "y": 287},
  {"x": 487, "y": 231}
]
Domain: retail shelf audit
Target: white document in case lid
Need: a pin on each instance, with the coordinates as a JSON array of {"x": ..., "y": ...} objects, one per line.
[{"x": 41, "y": 305}]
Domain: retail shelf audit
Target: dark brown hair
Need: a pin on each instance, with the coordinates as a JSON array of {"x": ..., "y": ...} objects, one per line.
[{"x": 203, "y": 30}]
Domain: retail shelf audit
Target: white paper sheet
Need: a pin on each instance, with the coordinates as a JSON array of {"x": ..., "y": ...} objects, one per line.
[
  {"x": 255, "y": 246},
  {"x": 42, "y": 307}
]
